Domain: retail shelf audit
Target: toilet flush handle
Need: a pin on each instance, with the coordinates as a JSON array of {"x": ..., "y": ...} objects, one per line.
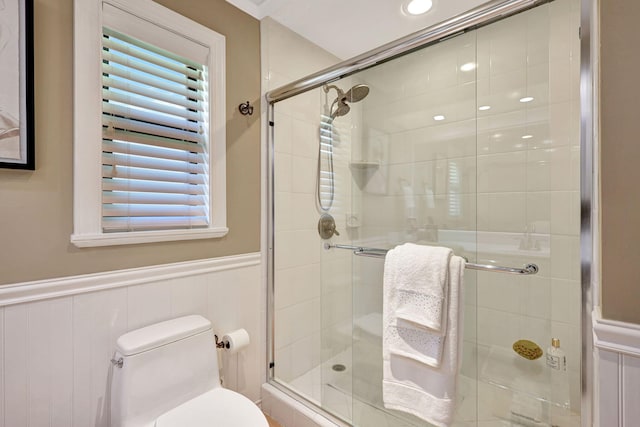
[{"x": 117, "y": 362}]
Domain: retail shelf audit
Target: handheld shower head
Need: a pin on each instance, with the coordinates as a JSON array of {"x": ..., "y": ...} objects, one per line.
[
  {"x": 342, "y": 108},
  {"x": 355, "y": 94}
]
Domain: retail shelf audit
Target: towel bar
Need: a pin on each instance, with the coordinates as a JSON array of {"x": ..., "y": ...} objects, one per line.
[{"x": 381, "y": 253}]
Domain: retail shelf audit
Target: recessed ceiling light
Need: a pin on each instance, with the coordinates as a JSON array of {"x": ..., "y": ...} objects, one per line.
[
  {"x": 438, "y": 118},
  {"x": 526, "y": 99},
  {"x": 469, "y": 66},
  {"x": 417, "y": 7},
  {"x": 527, "y": 136},
  {"x": 484, "y": 107}
]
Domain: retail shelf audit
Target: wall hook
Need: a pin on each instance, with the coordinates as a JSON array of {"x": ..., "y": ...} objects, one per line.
[{"x": 246, "y": 109}]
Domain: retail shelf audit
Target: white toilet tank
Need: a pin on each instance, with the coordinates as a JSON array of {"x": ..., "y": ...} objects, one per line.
[{"x": 163, "y": 366}]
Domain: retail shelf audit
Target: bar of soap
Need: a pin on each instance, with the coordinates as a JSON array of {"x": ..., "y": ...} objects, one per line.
[{"x": 527, "y": 349}]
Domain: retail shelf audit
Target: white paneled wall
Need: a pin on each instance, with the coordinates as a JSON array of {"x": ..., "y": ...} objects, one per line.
[
  {"x": 617, "y": 365},
  {"x": 55, "y": 353}
]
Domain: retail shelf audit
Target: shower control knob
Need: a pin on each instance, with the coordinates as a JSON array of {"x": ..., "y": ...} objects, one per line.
[{"x": 327, "y": 227}]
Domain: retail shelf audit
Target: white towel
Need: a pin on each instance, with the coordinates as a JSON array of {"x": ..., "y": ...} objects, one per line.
[
  {"x": 411, "y": 383},
  {"x": 417, "y": 279},
  {"x": 416, "y": 287}
]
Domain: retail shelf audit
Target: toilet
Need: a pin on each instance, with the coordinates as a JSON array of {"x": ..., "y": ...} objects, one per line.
[{"x": 166, "y": 375}]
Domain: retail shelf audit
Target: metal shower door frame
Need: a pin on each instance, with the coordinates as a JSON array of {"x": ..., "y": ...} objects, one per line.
[{"x": 481, "y": 16}]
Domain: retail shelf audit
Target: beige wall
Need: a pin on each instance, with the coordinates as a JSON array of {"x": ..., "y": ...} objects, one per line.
[
  {"x": 36, "y": 207},
  {"x": 620, "y": 153}
]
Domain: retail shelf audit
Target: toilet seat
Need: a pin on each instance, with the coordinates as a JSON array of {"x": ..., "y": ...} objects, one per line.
[{"x": 219, "y": 407}]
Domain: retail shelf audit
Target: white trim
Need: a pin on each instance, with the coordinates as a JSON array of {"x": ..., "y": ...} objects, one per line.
[
  {"x": 87, "y": 203},
  {"x": 54, "y": 288},
  {"x": 135, "y": 237},
  {"x": 612, "y": 335}
]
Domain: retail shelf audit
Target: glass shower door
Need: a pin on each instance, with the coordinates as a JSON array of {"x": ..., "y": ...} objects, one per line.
[
  {"x": 416, "y": 182},
  {"x": 473, "y": 144},
  {"x": 470, "y": 143}
]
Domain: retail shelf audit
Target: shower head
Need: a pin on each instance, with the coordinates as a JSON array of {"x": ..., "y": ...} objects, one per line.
[{"x": 355, "y": 94}]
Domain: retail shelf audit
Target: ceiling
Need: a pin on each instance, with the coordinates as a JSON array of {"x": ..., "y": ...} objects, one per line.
[{"x": 348, "y": 28}]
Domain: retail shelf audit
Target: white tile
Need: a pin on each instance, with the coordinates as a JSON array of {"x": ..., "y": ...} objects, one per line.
[
  {"x": 448, "y": 140},
  {"x": 296, "y": 248},
  {"x": 563, "y": 169},
  {"x": 304, "y": 171},
  {"x": 497, "y": 328},
  {"x": 284, "y": 213},
  {"x": 538, "y": 170},
  {"x": 502, "y": 172},
  {"x": 16, "y": 367},
  {"x": 565, "y": 257},
  {"x": 499, "y": 292},
  {"x": 504, "y": 212},
  {"x": 305, "y": 139},
  {"x": 295, "y": 285},
  {"x": 560, "y": 119},
  {"x": 283, "y": 172},
  {"x": 560, "y": 80},
  {"x": 566, "y": 301},
  {"x": 303, "y": 214},
  {"x": 283, "y": 363},
  {"x": 536, "y": 293},
  {"x": 283, "y": 128},
  {"x": 539, "y": 208},
  {"x": 302, "y": 354}
]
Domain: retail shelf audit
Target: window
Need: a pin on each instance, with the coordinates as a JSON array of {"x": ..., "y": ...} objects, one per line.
[{"x": 149, "y": 141}]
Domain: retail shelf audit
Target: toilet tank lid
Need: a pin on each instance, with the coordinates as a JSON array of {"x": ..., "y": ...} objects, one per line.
[{"x": 160, "y": 334}]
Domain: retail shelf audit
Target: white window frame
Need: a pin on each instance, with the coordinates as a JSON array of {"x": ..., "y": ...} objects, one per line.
[{"x": 87, "y": 176}]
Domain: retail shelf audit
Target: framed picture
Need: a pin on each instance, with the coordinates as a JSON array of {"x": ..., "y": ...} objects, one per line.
[{"x": 16, "y": 85}]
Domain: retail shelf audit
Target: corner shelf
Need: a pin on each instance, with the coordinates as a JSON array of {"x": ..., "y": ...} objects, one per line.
[
  {"x": 364, "y": 166},
  {"x": 362, "y": 172}
]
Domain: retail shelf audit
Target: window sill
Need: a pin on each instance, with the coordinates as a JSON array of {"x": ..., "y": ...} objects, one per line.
[{"x": 132, "y": 238}]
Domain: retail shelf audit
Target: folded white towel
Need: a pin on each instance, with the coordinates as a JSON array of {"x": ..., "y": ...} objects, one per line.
[
  {"x": 416, "y": 277},
  {"x": 411, "y": 382},
  {"x": 415, "y": 294}
]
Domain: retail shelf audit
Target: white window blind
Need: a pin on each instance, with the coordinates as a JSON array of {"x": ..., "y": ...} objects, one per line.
[{"x": 155, "y": 161}]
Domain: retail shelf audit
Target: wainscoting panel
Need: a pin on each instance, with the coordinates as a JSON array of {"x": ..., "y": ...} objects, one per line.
[
  {"x": 618, "y": 350},
  {"x": 57, "y": 338},
  {"x": 2, "y": 424},
  {"x": 631, "y": 390}
]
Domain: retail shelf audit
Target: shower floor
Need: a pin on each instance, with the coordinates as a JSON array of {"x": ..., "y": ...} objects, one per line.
[{"x": 359, "y": 401}]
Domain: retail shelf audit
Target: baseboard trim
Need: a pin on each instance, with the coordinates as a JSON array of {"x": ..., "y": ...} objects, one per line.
[
  {"x": 616, "y": 336},
  {"x": 59, "y": 287}
]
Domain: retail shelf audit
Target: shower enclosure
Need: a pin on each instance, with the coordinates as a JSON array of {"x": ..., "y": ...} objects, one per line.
[{"x": 470, "y": 141}]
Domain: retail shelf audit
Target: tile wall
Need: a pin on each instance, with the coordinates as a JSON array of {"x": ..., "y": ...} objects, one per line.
[{"x": 312, "y": 286}]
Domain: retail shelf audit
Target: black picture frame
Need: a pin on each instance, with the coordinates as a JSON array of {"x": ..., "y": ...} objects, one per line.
[{"x": 22, "y": 145}]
